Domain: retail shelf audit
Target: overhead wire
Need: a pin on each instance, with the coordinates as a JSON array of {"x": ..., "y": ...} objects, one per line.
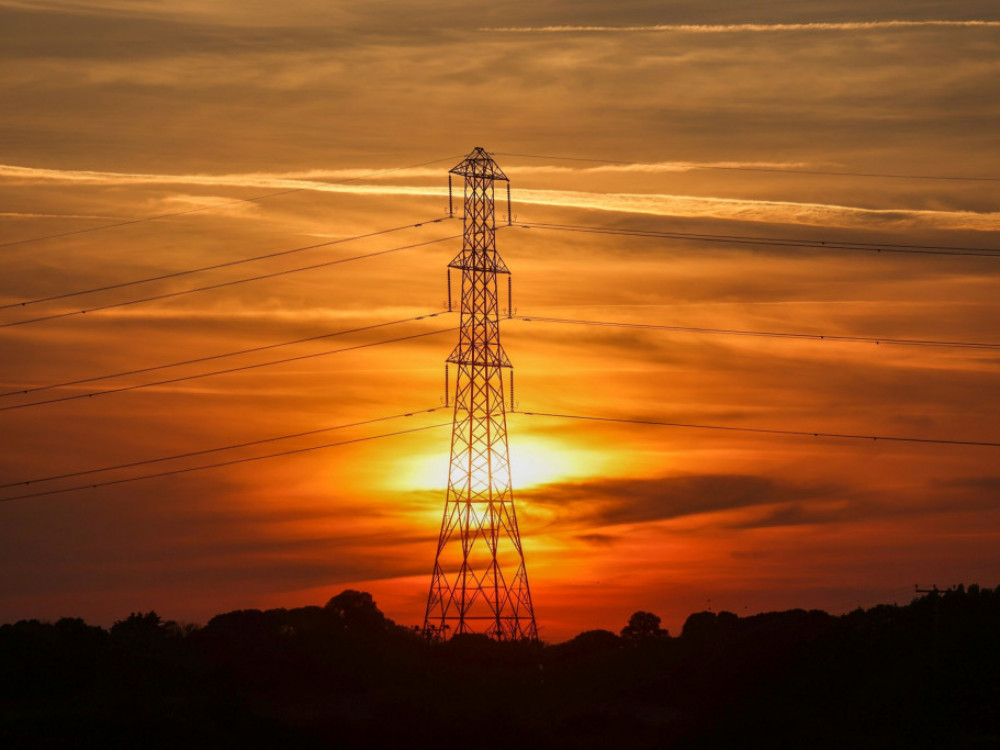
[
  {"x": 762, "y": 334},
  {"x": 214, "y": 206},
  {"x": 735, "y": 239},
  {"x": 224, "y": 284},
  {"x": 768, "y": 431},
  {"x": 777, "y": 170},
  {"x": 220, "y": 464},
  {"x": 220, "y": 449},
  {"x": 871, "y": 247},
  {"x": 238, "y": 352},
  {"x": 214, "y": 267},
  {"x": 242, "y": 368}
]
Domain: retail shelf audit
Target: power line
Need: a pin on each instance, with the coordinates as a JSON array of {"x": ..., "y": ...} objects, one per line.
[
  {"x": 255, "y": 199},
  {"x": 766, "y": 431},
  {"x": 769, "y": 240},
  {"x": 227, "y": 264},
  {"x": 221, "y": 464},
  {"x": 733, "y": 239},
  {"x": 211, "y": 357},
  {"x": 220, "y": 285},
  {"x": 776, "y": 170},
  {"x": 242, "y": 368},
  {"x": 763, "y": 334},
  {"x": 156, "y": 217},
  {"x": 207, "y": 451}
]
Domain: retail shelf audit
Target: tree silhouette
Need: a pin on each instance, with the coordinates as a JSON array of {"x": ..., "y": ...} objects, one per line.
[
  {"x": 357, "y": 611},
  {"x": 921, "y": 676},
  {"x": 643, "y": 626},
  {"x": 139, "y": 628}
]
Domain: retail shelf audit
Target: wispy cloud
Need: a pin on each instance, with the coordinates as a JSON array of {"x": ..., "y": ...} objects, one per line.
[
  {"x": 654, "y": 204},
  {"x": 777, "y": 212},
  {"x": 21, "y": 215},
  {"x": 609, "y": 502},
  {"x": 258, "y": 179},
  {"x": 233, "y": 12},
  {"x": 663, "y": 167},
  {"x": 307, "y": 180},
  {"x": 752, "y": 27}
]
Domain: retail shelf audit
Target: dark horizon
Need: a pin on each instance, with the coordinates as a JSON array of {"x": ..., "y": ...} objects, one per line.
[{"x": 342, "y": 675}]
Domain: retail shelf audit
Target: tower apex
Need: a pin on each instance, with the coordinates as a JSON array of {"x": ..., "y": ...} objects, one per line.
[{"x": 480, "y": 164}]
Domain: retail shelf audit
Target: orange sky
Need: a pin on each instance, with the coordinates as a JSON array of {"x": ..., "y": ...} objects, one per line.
[{"x": 116, "y": 109}]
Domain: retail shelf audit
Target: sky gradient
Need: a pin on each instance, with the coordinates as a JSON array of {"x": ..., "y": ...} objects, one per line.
[{"x": 712, "y": 119}]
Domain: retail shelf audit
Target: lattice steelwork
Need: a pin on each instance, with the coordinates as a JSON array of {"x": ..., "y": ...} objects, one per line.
[{"x": 479, "y": 584}]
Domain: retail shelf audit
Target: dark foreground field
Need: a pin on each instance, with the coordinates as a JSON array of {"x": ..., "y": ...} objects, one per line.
[{"x": 925, "y": 675}]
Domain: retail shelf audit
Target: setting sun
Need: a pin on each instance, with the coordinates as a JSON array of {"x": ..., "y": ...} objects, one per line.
[{"x": 534, "y": 461}]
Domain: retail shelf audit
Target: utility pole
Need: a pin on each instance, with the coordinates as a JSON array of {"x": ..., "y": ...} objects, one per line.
[
  {"x": 936, "y": 631},
  {"x": 479, "y": 583}
]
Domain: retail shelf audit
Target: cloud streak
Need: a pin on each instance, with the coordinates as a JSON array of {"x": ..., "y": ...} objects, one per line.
[
  {"x": 748, "y": 27},
  {"x": 769, "y": 212},
  {"x": 610, "y": 502},
  {"x": 19, "y": 215},
  {"x": 654, "y": 204},
  {"x": 36, "y": 175}
]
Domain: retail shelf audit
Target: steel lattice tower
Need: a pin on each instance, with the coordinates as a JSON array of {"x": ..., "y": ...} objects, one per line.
[{"x": 479, "y": 584}]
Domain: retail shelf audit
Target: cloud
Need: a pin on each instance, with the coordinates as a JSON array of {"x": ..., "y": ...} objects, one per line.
[
  {"x": 608, "y": 502},
  {"x": 655, "y": 168},
  {"x": 655, "y": 204},
  {"x": 598, "y": 540},
  {"x": 302, "y": 180},
  {"x": 764, "y": 502},
  {"x": 747, "y": 27},
  {"x": 763, "y": 211},
  {"x": 14, "y": 215},
  {"x": 981, "y": 490},
  {"x": 257, "y": 179},
  {"x": 248, "y": 13}
]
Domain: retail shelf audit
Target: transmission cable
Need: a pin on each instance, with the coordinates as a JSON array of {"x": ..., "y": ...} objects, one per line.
[
  {"x": 221, "y": 464},
  {"x": 774, "y": 170},
  {"x": 766, "y": 431},
  {"x": 220, "y": 449},
  {"x": 376, "y": 173},
  {"x": 227, "y": 264},
  {"x": 872, "y": 247},
  {"x": 212, "y": 373},
  {"x": 224, "y": 355},
  {"x": 223, "y": 284},
  {"x": 761, "y": 334}
]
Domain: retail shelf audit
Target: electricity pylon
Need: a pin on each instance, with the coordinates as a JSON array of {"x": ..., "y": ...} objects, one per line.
[{"x": 479, "y": 584}]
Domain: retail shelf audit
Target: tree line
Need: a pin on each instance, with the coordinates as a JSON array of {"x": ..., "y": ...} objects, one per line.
[{"x": 924, "y": 675}]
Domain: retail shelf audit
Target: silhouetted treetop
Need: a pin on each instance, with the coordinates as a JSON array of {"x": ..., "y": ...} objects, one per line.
[
  {"x": 357, "y": 610},
  {"x": 643, "y": 626},
  {"x": 143, "y": 628}
]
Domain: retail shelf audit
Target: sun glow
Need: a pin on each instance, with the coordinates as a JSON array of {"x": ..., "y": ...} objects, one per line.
[
  {"x": 536, "y": 461},
  {"x": 533, "y": 462}
]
